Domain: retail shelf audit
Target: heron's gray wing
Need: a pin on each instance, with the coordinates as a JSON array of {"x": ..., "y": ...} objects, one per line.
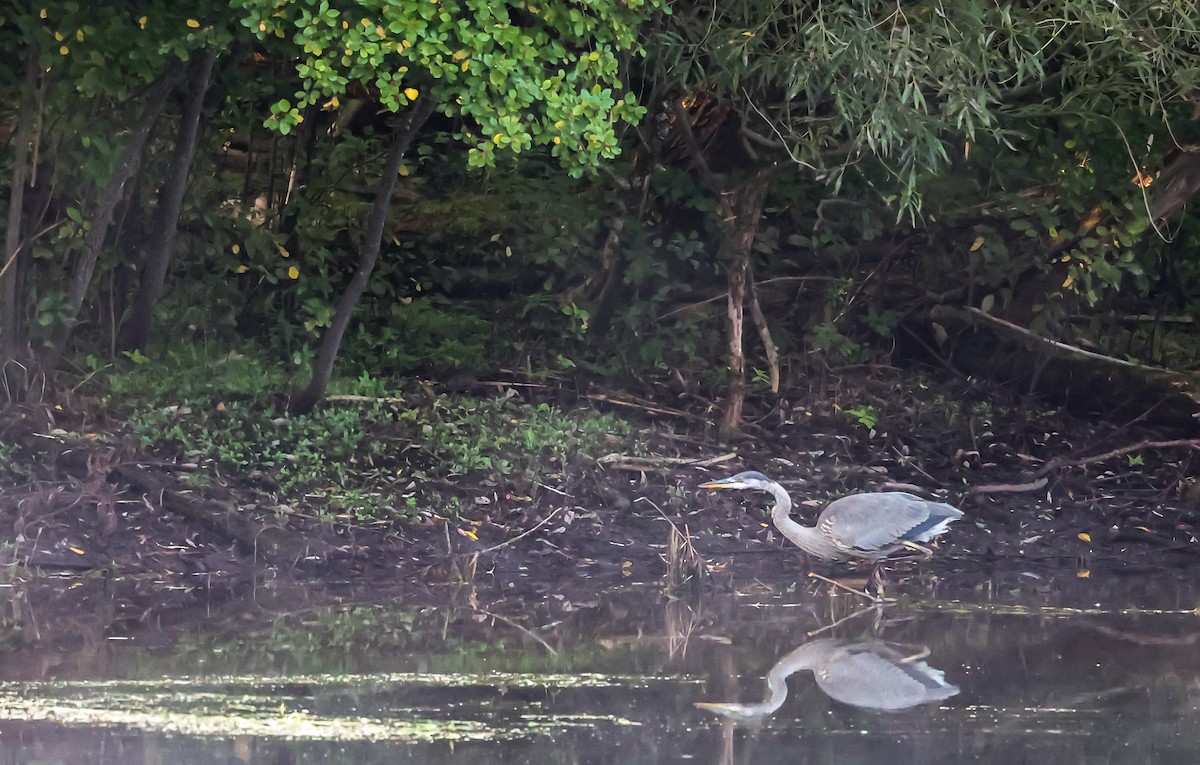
[
  {"x": 868, "y": 681},
  {"x": 871, "y": 521}
]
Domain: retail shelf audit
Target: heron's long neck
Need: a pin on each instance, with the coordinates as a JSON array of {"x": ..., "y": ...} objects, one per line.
[
  {"x": 806, "y": 537},
  {"x": 806, "y": 656}
]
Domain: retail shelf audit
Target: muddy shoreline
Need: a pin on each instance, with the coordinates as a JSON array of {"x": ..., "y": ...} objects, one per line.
[{"x": 1058, "y": 495}]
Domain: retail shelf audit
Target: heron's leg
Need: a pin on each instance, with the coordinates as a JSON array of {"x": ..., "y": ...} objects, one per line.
[
  {"x": 877, "y": 580},
  {"x": 840, "y": 586}
]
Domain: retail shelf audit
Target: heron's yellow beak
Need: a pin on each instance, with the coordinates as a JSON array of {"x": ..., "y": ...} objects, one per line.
[{"x": 715, "y": 485}]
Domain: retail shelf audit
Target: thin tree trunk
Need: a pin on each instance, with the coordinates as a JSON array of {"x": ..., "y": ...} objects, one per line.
[
  {"x": 735, "y": 251},
  {"x": 331, "y": 341},
  {"x": 136, "y": 330},
  {"x": 764, "y": 330},
  {"x": 131, "y": 158},
  {"x": 12, "y": 330},
  {"x": 612, "y": 260}
]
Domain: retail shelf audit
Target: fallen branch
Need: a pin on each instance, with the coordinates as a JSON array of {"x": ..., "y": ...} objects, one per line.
[
  {"x": 643, "y": 407},
  {"x": 1002, "y": 488},
  {"x": 520, "y": 536},
  {"x": 1055, "y": 464},
  {"x": 629, "y": 462},
  {"x": 1072, "y": 350}
]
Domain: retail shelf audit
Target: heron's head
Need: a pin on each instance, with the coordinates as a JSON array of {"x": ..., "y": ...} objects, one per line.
[{"x": 751, "y": 479}]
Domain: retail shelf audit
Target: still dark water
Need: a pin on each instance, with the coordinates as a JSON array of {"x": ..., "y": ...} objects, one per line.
[{"x": 1024, "y": 667}]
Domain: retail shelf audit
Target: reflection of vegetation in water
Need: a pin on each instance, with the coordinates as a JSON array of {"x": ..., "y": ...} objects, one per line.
[
  {"x": 353, "y": 456},
  {"x": 389, "y": 637},
  {"x": 402, "y": 707}
]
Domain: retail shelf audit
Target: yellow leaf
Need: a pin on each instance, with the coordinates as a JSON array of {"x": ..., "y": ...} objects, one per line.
[
  {"x": 332, "y": 103},
  {"x": 42, "y": 15},
  {"x": 79, "y": 35},
  {"x": 283, "y": 251},
  {"x": 235, "y": 249},
  {"x": 262, "y": 26},
  {"x": 242, "y": 269},
  {"x": 465, "y": 65},
  {"x": 64, "y": 50},
  {"x": 404, "y": 171},
  {"x": 977, "y": 243},
  {"x": 1068, "y": 281},
  {"x": 1084, "y": 574},
  {"x": 366, "y": 23},
  {"x": 345, "y": 25},
  {"x": 497, "y": 138},
  {"x": 58, "y": 36},
  {"x": 193, "y": 23},
  {"x": 142, "y": 22},
  {"x": 1086, "y": 537},
  {"x": 469, "y": 534},
  {"x": 747, "y": 34},
  {"x": 220, "y": 406},
  {"x": 411, "y": 93},
  {"x": 77, "y": 551},
  {"x": 557, "y": 140},
  {"x": 294, "y": 272}
]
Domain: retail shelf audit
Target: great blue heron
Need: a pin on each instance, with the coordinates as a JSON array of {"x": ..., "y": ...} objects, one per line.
[
  {"x": 868, "y": 526},
  {"x": 871, "y": 674}
]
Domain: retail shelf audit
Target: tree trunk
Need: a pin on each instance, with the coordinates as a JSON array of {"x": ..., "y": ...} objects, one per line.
[
  {"x": 131, "y": 158},
  {"x": 12, "y": 330},
  {"x": 736, "y": 247},
  {"x": 136, "y": 331},
  {"x": 402, "y": 137}
]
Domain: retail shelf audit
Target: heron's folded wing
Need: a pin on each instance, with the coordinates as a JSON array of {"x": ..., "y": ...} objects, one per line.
[
  {"x": 866, "y": 680},
  {"x": 871, "y": 521}
]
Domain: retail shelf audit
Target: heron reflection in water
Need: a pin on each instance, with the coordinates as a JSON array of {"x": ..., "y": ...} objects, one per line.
[
  {"x": 872, "y": 526},
  {"x": 870, "y": 674}
]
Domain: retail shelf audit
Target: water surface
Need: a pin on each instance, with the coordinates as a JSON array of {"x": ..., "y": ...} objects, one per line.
[{"x": 1073, "y": 667}]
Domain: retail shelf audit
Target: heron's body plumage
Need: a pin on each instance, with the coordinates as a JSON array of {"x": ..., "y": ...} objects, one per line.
[{"x": 869, "y": 526}]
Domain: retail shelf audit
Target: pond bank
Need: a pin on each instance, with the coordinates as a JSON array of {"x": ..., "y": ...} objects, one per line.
[{"x": 1044, "y": 489}]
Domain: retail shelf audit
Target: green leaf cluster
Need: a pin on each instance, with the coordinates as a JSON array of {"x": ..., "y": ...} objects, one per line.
[{"x": 514, "y": 74}]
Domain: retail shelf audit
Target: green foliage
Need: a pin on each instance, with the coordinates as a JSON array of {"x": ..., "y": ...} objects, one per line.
[
  {"x": 904, "y": 84},
  {"x": 497, "y": 435},
  {"x": 826, "y": 339},
  {"x": 863, "y": 415},
  {"x": 354, "y": 457},
  {"x": 427, "y": 335},
  {"x": 108, "y": 53},
  {"x": 518, "y": 74}
]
